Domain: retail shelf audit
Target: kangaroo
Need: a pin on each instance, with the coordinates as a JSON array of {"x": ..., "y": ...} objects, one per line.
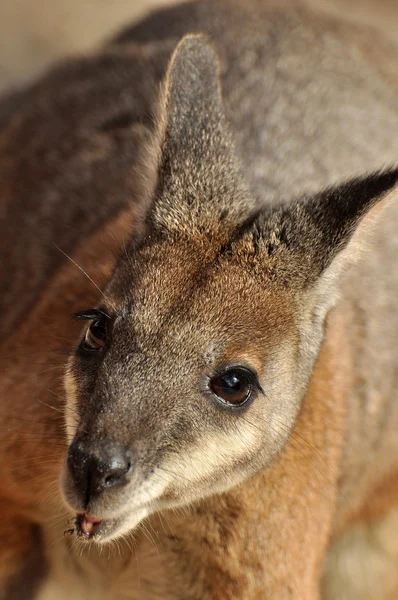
[{"x": 212, "y": 195}]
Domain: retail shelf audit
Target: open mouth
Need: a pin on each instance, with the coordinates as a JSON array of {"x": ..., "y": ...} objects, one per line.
[{"x": 89, "y": 528}]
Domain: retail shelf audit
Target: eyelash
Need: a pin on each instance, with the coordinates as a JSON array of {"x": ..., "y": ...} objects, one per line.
[{"x": 90, "y": 315}]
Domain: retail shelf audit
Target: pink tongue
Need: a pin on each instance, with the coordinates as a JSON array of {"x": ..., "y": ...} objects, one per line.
[{"x": 88, "y": 525}]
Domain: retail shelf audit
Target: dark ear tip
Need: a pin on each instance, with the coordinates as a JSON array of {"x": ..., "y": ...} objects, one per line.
[
  {"x": 377, "y": 185},
  {"x": 390, "y": 177}
]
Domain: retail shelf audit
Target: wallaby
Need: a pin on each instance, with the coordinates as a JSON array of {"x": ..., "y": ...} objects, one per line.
[{"x": 213, "y": 194}]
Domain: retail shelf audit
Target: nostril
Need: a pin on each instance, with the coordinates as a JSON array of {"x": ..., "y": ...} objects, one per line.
[
  {"x": 117, "y": 475},
  {"x": 111, "y": 480}
]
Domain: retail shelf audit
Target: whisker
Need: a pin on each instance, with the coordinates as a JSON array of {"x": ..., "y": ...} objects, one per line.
[
  {"x": 87, "y": 275},
  {"x": 174, "y": 474},
  {"x": 148, "y": 536},
  {"x": 38, "y": 442},
  {"x": 32, "y": 434},
  {"x": 295, "y": 433},
  {"x": 39, "y": 461},
  {"x": 27, "y": 420},
  {"x": 49, "y": 405},
  {"x": 33, "y": 459},
  {"x": 303, "y": 455},
  {"x": 43, "y": 476}
]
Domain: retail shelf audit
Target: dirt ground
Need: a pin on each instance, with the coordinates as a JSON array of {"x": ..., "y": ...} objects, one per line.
[{"x": 34, "y": 33}]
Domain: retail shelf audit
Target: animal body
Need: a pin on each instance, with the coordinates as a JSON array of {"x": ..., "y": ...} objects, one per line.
[{"x": 213, "y": 194}]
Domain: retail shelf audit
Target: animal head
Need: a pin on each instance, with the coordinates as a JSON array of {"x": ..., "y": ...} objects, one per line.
[{"x": 192, "y": 370}]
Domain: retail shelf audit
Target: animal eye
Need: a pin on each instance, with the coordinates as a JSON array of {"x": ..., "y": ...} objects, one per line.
[
  {"x": 234, "y": 386},
  {"x": 96, "y": 333}
]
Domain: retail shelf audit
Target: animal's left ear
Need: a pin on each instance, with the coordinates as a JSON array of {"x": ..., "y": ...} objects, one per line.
[
  {"x": 308, "y": 244},
  {"x": 199, "y": 182},
  {"x": 331, "y": 228},
  {"x": 325, "y": 234},
  {"x": 342, "y": 221}
]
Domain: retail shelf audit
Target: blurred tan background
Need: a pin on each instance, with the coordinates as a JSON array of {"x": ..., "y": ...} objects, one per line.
[{"x": 34, "y": 33}]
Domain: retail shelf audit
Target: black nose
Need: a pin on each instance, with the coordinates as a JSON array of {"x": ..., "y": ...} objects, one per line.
[{"x": 98, "y": 466}]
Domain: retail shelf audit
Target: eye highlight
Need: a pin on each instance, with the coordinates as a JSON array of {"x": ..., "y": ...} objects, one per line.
[
  {"x": 97, "y": 333},
  {"x": 234, "y": 386}
]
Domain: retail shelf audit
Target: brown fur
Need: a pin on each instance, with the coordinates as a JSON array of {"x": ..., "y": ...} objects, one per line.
[
  {"x": 280, "y": 511},
  {"x": 31, "y": 446},
  {"x": 206, "y": 253}
]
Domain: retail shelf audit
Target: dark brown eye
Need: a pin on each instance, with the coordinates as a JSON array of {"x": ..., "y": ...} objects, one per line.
[
  {"x": 234, "y": 386},
  {"x": 95, "y": 335}
]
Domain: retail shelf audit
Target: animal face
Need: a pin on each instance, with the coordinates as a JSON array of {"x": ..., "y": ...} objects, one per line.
[
  {"x": 191, "y": 373},
  {"x": 175, "y": 381}
]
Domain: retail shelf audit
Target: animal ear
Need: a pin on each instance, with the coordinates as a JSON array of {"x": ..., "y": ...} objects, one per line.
[
  {"x": 336, "y": 227},
  {"x": 332, "y": 227},
  {"x": 309, "y": 243},
  {"x": 198, "y": 177}
]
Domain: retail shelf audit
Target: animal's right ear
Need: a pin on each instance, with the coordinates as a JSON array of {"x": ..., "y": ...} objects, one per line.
[{"x": 198, "y": 178}]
